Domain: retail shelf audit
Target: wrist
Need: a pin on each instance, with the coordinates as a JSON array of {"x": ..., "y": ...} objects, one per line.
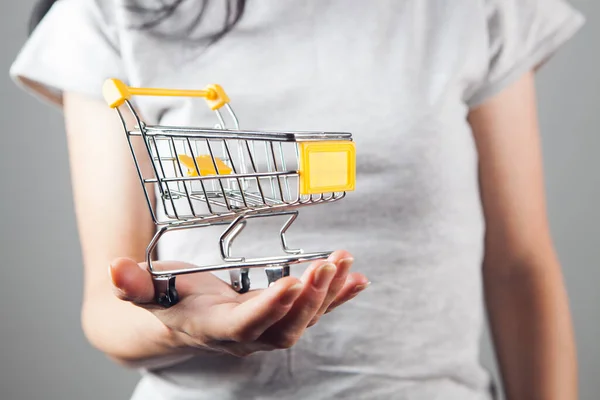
[{"x": 169, "y": 348}]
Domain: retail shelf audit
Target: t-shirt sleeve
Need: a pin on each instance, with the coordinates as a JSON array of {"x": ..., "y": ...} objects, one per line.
[
  {"x": 522, "y": 36},
  {"x": 74, "y": 48}
]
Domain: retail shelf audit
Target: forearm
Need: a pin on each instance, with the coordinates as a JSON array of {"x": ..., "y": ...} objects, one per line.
[
  {"x": 113, "y": 221},
  {"x": 532, "y": 330}
]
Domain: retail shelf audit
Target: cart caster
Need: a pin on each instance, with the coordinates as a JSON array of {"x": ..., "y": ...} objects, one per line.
[
  {"x": 166, "y": 293},
  {"x": 240, "y": 279},
  {"x": 245, "y": 281},
  {"x": 274, "y": 273}
]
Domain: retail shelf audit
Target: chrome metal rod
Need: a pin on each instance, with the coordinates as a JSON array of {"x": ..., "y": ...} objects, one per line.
[
  {"x": 230, "y": 176},
  {"x": 208, "y": 205},
  {"x": 207, "y": 133},
  {"x": 187, "y": 194},
  {"x": 290, "y": 221},
  {"x": 249, "y": 263},
  {"x": 228, "y": 237}
]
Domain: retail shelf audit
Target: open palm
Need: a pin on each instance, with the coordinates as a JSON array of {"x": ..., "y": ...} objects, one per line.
[{"x": 211, "y": 315}]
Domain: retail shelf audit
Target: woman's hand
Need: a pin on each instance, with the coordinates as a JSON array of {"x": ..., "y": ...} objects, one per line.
[{"x": 211, "y": 315}]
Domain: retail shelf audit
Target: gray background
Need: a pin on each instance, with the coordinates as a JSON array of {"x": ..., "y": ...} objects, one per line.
[{"x": 43, "y": 353}]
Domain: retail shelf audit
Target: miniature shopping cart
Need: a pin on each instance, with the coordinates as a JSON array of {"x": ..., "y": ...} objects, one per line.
[{"x": 220, "y": 176}]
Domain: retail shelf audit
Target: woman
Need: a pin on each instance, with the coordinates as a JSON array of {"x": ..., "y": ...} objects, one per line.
[{"x": 448, "y": 219}]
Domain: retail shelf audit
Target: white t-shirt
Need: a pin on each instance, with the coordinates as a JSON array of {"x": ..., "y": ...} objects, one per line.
[{"x": 401, "y": 76}]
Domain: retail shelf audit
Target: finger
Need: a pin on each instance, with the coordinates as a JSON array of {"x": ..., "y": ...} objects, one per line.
[
  {"x": 339, "y": 279},
  {"x": 288, "y": 330},
  {"x": 339, "y": 255},
  {"x": 131, "y": 282},
  {"x": 305, "y": 277},
  {"x": 355, "y": 284},
  {"x": 343, "y": 263},
  {"x": 246, "y": 321}
]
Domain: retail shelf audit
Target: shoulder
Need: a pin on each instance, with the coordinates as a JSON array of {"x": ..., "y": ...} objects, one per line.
[
  {"x": 73, "y": 48},
  {"x": 520, "y": 36}
]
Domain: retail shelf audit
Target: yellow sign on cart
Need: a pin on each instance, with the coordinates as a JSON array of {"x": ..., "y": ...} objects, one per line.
[{"x": 327, "y": 166}]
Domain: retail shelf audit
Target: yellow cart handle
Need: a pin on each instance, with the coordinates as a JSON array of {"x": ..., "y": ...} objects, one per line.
[{"x": 116, "y": 92}]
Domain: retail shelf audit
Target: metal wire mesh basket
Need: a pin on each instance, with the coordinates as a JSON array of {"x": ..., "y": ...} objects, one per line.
[{"x": 223, "y": 176}]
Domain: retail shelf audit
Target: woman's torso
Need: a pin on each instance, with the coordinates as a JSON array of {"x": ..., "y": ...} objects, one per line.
[{"x": 395, "y": 74}]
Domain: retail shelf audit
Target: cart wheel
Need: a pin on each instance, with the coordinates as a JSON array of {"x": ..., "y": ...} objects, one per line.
[
  {"x": 169, "y": 300},
  {"x": 245, "y": 282},
  {"x": 168, "y": 297}
]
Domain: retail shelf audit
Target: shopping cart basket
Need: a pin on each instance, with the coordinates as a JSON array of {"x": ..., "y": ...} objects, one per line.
[{"x": 220, "y": 176}]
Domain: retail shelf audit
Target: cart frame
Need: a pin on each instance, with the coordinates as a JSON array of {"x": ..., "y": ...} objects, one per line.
[{"x": 244, "y": 185}]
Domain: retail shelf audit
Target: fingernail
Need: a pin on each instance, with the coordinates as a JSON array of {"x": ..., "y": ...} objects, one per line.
[
  {"x": 291, "y": 294},
  {"x": 344, "y": 266},
  {"x": 323, "y": 275},
  {"x": 110, "y": 275},
  {"x": 360, "y": 288}
]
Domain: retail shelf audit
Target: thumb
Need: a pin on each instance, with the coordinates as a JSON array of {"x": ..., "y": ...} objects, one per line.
[{"x": 131, "y": 282}]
